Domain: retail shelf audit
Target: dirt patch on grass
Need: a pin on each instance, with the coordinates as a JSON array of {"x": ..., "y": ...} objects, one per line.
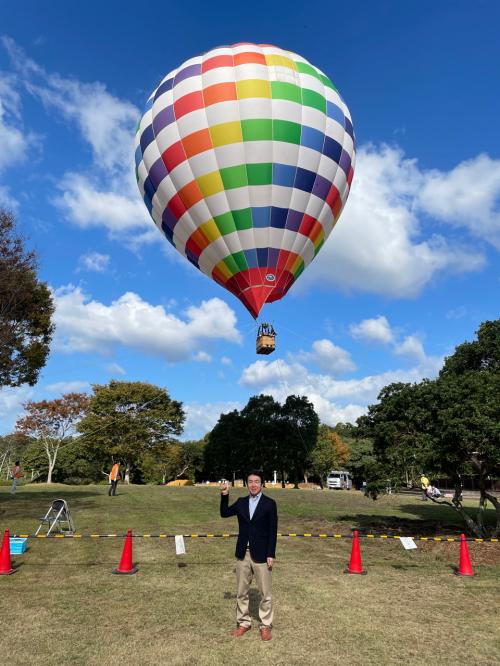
[{"x": 480, "y": 553}]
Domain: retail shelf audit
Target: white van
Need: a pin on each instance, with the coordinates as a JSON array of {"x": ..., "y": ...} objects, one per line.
[{"x": 340, "y": 480}]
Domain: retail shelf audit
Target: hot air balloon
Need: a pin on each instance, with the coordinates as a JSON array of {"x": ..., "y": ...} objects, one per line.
[{"x": 244, "y": 159}]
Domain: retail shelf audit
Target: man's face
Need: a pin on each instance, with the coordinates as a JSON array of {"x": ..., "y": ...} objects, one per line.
[{"x": 254, "y": 484}]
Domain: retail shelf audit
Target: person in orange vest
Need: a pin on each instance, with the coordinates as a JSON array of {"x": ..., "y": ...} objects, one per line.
[
  {"x": 114, "y": 477},
  {"x": 16, "y": 474}
]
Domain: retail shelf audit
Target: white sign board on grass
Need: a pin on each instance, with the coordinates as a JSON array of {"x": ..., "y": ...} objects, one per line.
[
  {"x": 408, "y": 543},
  {"x": 180, "y": 547}
]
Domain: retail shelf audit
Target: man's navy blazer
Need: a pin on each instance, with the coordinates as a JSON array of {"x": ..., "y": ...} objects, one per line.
[{"x": 260, "y": 532}]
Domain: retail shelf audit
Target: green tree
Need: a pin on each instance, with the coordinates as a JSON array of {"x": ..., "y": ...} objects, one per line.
[
  {"x": 467, "y": 435},
  {"x": 162, "y": 463},
  {"x": 299, "y": 434},
  {"x": 193, "y": 451},
  {"x": 80, "y": 463},
  {"x": 226, "y": 449},
  {"x": 361, "y": 459},
  {"x": 263, "y": 431},
  {"x": 330, "y": 452},
  {"x": 401, "y": 428},
  {"x": 447, "y": 426},
  {"x": 124, "y": 420},
  {"x": 35, "y": 461},
  {"x": 12, "y": 448},
  {"x": 264, "y": 435},
  {"x": 26, "y": 310},
  {"x": 482, "y": 354},
  {"x": 172, "y": 460}
]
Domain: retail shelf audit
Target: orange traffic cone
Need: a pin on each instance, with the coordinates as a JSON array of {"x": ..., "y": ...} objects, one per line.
[
  {"x": 464, "y": 565},
  {"x": 126, "y": 566},
  {"x": 5, "y": 566},
  {"x": 355, "y": 564}
]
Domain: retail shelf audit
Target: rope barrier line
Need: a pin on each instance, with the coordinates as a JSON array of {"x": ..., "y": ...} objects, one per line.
[{"x": 232, "y": 535}]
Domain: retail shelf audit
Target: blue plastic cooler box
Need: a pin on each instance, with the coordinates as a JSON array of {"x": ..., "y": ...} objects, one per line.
[{"x": 17, "y": 545}]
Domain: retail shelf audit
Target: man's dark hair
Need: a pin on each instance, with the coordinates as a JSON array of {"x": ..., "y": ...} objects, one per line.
[
  {"x": 256, "y": 472},
  {"x": 17, "y": 462}
]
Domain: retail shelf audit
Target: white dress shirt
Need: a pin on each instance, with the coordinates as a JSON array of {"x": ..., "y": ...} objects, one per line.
[{"x": 252, "y": 503}]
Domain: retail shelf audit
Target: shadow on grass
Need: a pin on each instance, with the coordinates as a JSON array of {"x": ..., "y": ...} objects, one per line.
[
  {"x": 47, "y": 496},
  {"x": 430, "y": 520},
  {"x": 446, "y": 518}
]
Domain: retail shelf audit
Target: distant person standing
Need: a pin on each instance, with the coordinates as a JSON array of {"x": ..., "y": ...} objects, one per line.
[
  {"x": 16, "y": 474},
  {"x": 114, "y": 477},
  {"x": 424, "y": 483}
]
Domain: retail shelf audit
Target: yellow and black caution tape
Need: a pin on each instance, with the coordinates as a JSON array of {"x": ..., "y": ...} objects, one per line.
[{"x": 232, "y": 535}]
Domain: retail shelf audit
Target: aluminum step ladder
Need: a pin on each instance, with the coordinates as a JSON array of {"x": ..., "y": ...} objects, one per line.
[{"x": 58, "y": 517}]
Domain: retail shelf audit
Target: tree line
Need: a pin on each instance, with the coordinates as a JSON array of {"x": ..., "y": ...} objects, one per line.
[{"x": 75, "y": 438}]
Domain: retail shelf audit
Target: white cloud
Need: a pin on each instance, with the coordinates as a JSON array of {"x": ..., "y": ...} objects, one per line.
[
  {"x": 94, "y": 261},
  {"x": 107, "y": 195},
  {"x": 331, "y": 413},
  {"x": 15, "y": 141},
  {"x": 68, "y": 387},
  {"x": 85, "y": 325},
  {"x": 379, "y": 245},
  {"x": 457, "y": 313},
  {"x": 201, "y": 418},
  {"x": 411, "y": 346},
  {"x": 261, "y": 373},
  {"x": 203, "y": 357},
  {"x": 11, "y": 406},
  {"x": 115, "y": 369},
  {"x": 86, "y": 205},
  {"x": 373, "y": 330},
  {"x": 107, "y": 123},
  {"x": 467, "y": 196},
  {"x": 335, "y": 400},
  {"x": 225, "y": 360},
  {"x": 380, "y": 330},
  {"x": 6, "y": 200},
  {"x": 294, "y": 377},
  {"x": 328, "y": 357}
]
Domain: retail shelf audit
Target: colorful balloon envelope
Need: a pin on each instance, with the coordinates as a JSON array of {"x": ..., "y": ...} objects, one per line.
[{"x": 245, "y": 157}]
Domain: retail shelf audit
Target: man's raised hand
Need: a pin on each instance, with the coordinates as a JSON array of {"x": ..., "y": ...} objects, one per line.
[{"x": 224, "y": 487}]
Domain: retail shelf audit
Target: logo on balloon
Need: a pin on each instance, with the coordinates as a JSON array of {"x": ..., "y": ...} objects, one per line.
[{"x": 270, "y": 277}]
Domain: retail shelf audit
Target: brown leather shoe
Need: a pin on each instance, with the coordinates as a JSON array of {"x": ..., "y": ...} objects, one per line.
[
  {"x": 239, "y": 631},
  {"x": 265, "y": 633}
]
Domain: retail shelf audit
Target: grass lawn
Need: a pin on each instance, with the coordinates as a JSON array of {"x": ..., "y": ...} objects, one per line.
[{"x": 63, "y": 606}]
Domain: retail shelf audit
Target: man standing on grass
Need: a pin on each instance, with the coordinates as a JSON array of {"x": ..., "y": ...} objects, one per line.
[
  {"x": 255, "y": 551},
  {"x": 114, "y": 477},
  {"x": 16, "y": 475},
  {"x": 424, "y": 484}
]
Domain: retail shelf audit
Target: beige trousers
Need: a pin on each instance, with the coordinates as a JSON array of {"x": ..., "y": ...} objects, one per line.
[{"x": 246, "y": 569}]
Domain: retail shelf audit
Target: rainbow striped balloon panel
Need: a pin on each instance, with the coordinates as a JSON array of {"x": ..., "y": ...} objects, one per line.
[{"x": 244, "y": 158}]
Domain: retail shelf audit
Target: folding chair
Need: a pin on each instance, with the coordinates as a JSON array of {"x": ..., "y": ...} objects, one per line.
[{"x": 58, "y": 516}]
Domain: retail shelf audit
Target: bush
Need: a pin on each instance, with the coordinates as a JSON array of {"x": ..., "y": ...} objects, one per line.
[{"x": 77, "y": 481}]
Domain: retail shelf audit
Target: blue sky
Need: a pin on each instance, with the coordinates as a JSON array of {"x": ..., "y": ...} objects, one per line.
[{"x": 410, "y": 271}]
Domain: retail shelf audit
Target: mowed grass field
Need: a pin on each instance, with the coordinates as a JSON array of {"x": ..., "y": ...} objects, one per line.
[{"x": 63, "y": 606}]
